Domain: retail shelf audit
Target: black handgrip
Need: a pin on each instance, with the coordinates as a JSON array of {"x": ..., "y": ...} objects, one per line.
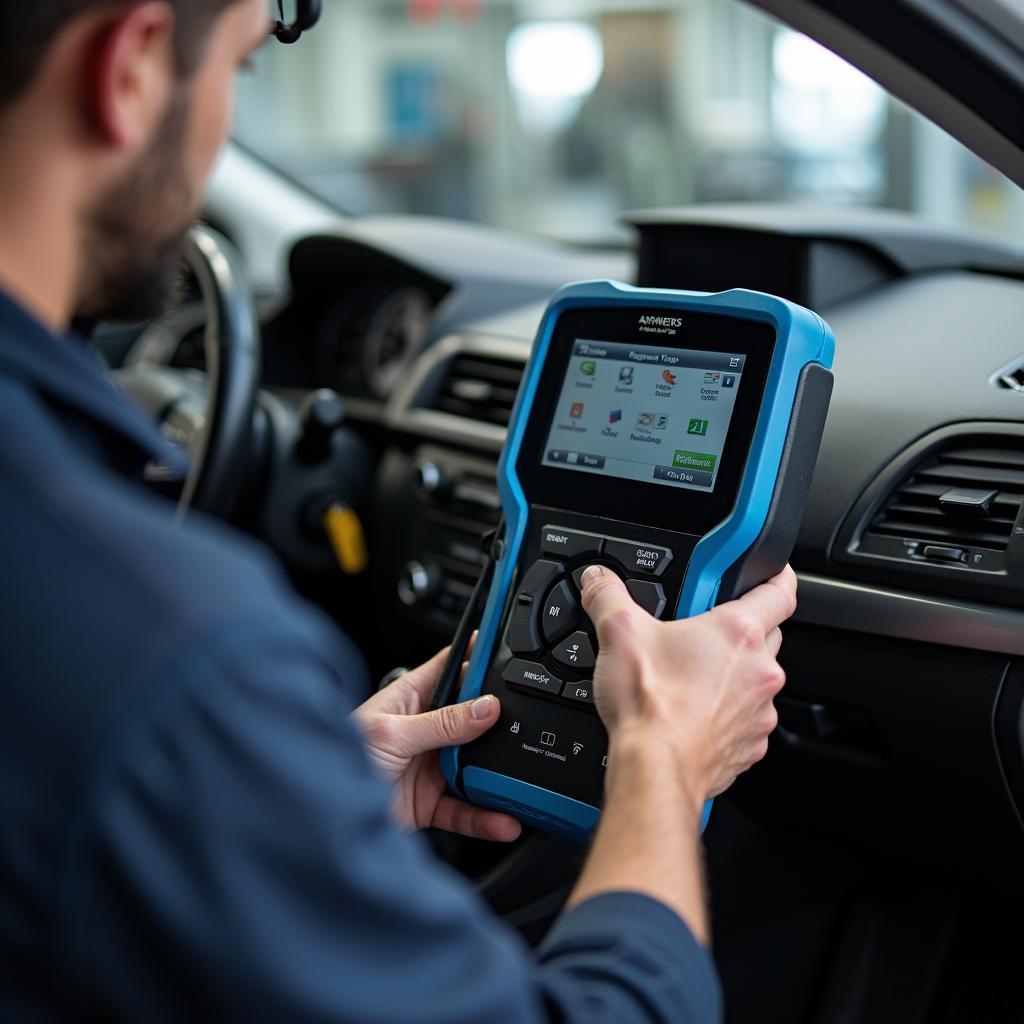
[{"x": 770, "y": 552}]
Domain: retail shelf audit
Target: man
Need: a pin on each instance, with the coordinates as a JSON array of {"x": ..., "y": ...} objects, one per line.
[{"x": 192, "y": 823}]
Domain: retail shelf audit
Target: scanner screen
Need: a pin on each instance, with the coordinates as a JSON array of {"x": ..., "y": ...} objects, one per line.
[{"x": 660, "y": 415}]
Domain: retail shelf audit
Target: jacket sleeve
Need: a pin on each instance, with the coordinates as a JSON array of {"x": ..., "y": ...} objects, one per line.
[{"x": 239, "y": 862}]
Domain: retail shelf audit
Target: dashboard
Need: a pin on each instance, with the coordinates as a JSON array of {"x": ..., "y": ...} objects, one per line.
[
  {"x": 902, "y": 704},
  {"x": 905, "y": 701}
]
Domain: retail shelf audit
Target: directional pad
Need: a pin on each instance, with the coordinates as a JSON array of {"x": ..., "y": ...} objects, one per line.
[
  {"x": 560, "y": 614},
  {"x": 577, "y": 652}
]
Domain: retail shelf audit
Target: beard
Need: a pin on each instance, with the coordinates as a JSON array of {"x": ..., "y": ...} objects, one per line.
[{"x": 136, "y": 231}]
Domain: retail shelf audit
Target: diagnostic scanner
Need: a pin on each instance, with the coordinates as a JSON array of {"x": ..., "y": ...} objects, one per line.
[{"x": 669, "y": 436}]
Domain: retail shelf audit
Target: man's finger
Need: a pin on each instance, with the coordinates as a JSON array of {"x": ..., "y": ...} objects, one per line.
[
  {"x": 606, "y": 600},
  {"x": 772, "y": 602},
  {"x": 447, "y": 727},
  {"x": 464, "y": 819},
  {"x": 774, "y": 642}
]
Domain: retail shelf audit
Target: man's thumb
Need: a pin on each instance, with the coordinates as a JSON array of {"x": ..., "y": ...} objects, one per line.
[
  {"x": 452, "y": 725},
  {"x": 606, "y": 600}
]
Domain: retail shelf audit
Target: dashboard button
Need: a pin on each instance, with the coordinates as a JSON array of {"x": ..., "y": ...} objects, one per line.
[
  {"x": 577, "y": 652},
  {"x": 581, "y": 692},
  {"x": 637, "y": 557},
  {"x": 560, "y": 614},
  {"x": 523, "y": 637},
  {"x": 532, "y": 676},
  {"x": 569, "y": 543},
  {"x": 537, "y": 579},
  {"x": 944, "y": 553},
  {"x": 650, "y": 596}
]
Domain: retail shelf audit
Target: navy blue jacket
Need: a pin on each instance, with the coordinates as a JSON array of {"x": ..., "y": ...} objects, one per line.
[{"x": 189, "y": 825}]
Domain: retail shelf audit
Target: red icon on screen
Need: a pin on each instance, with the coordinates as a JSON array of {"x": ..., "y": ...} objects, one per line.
[
  {"x": 576, "y": 411},
  {"x": 668, "y": 376}
]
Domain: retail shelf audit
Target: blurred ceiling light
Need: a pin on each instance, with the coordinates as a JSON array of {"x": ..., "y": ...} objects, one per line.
[{"x": 553, "y": 66}]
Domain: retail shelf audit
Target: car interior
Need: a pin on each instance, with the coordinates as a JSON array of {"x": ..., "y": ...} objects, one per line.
[{"x": 405, "y": 192}]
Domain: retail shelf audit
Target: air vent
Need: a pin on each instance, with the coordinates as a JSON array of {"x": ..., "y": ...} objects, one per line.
[
  {"x": 1010, "y": 377},
  {"x": 958, "y": 507},
  {"x": 480, "y": 387}
]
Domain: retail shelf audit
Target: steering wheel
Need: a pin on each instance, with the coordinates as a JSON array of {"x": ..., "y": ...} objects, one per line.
[{"x": 211, "y": 418}]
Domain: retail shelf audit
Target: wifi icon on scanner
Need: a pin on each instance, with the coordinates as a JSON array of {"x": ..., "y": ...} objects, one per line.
[{"x": 577, "y": 747}]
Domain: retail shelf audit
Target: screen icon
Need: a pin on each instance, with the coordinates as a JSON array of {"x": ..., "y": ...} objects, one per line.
[
  {"x": 661, "y": 422},
  {"x": 615, "y": 416},
  {"x": 694, "y": 460},
  {"x": 712, "y": 377},
  {"x": 669, "y": 377},
  {"x": 576, "y": 410},
  {"x": 548, "y": 739},
  {"x": 729, "y": 380},
  {"x": 626, "y": 376},
  {"x": 645, "y": 420},
  {"x": 698, "y": 428},
  {"x": 588, "y": 368},
  {"x": 734, "y": 362}
]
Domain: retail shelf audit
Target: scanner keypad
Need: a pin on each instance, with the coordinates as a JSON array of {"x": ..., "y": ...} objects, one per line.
[{"x": 549, "y": 634}]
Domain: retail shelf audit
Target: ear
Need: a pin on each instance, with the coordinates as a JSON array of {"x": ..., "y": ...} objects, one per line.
[{"x": 134, "y": 73}]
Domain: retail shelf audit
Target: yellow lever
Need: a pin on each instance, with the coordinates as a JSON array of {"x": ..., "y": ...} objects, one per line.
[{"x": 347, "y": 538}]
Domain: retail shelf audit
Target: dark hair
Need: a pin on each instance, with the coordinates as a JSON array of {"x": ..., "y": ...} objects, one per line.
[{"x": 26, "y": 39}]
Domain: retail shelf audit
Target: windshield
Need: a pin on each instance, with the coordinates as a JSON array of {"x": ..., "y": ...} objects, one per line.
[{"x": 555, "y": 118}]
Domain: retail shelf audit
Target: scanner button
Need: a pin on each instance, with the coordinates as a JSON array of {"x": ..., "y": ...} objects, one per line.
[
  {"x": 577, "y": 576},
  {"x": 569, "y": 543},
  {"x": 538, "y": 578},
  {"x": 561, "y": 614},
  {"x": 577, "y": 652},
  {"x": 582, "y": 692},
  {"x": 532, "y": 676},
  {"x": 636, "y": 557},
  {"x": 650, "y": 596},
  {"x": 523, "y": 637}
]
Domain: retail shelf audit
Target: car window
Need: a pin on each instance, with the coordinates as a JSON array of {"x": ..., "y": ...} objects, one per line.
[{"x": 511, "y": 114}]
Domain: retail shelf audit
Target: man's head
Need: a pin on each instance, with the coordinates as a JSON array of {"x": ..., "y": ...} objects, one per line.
[{"x": 134, "y": 98}]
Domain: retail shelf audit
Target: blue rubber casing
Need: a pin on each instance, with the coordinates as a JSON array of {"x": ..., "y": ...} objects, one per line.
[{"x": 802, "y": 338}]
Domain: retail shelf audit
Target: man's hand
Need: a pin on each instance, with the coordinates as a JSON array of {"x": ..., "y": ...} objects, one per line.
[
  {"x": 701, "y": 687},
  {"x": 688, "y": 706},
  {"x": 403, "y": 742}
]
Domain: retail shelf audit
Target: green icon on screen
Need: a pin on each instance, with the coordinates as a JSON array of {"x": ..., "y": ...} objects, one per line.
[
  {"x": 589, "y": 368},
  {"x": 698, "y": 428},
  {"x": 694, "y": 460}
]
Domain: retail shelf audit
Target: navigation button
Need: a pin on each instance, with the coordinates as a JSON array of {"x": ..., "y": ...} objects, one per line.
[
  {"x": 582, "y": 692},
  {"x": 693, "y": 477},
  {"x": 577, "y": 652},
  {"x": 569, "y": 543},
  {"x": 636, "y": 557},
  {"x": 650, "y": 596},
  {"x": 560, "y": 615},
  {"x": 532, "y": 676},
  {"x": 538, "y": 578},
  {"x": 523, "y": 637}
]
